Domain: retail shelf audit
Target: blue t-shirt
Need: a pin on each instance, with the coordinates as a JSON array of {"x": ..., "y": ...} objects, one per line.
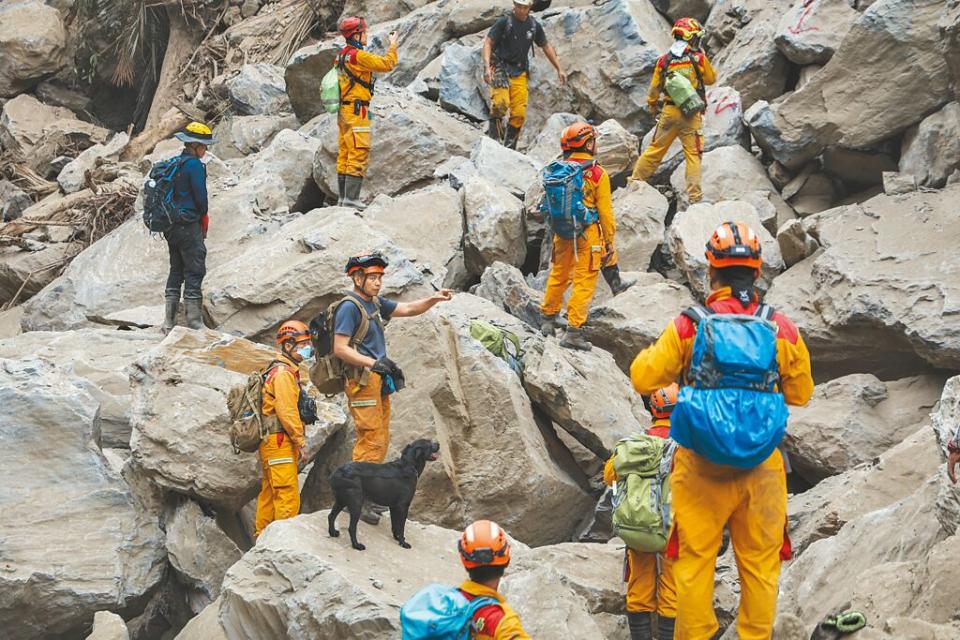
[
  {"x": 348, "y": 319},
  {"x": 190, "y": 187}
]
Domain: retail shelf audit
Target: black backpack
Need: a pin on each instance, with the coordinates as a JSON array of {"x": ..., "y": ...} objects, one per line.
[{"x": 159, "y": 212}]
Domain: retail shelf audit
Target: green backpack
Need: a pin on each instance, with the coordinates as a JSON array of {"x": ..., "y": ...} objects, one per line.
[
  {"x": 641, "y": 497},
  {"x": 330, "y": 91},
  {"x": 679, "y": 87},
  {"x": 500, "y": 342}
]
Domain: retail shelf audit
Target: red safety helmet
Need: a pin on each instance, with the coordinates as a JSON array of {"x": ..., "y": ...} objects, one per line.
[
  {"x": 580, "y": 136},
  {"x": 372, "y": 262},
  {"x": 687, "y": 29},
  {"x": 484, "y": 544},
  {"x": 734, "y": 244},
  {"x": 663, "y": 400},
  {"x": 351, "y": 26},
  {"x": 292, "y": 330}
]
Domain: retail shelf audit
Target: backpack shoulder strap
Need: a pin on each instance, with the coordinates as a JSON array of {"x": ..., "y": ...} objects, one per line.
[
  {"x": 702, "y": 89},
  {"x": 697, "y": 313},
  {"x": 365, "y": 319},
  {"x": 354, "y": 78},
  {"x": 765, "y": 312}
]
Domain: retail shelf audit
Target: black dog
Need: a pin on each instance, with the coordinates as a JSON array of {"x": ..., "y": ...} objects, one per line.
[{"x": 391, "y": 485}]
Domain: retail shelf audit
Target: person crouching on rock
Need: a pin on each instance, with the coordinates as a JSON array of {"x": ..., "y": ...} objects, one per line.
[
  {"x": 279, "y": 497},
  {"x": 581, "y": 250},
  {"x": 684, "y": 65},
  {"x": 185, "y": 240},
  {"x": 356, "y": 90},
  {"x": 649, "y": 576},
  {"x": 506, "y": 64},
  {"x": 370, "y": 376}
]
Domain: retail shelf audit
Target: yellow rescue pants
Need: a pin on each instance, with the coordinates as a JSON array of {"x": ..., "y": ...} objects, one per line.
[
  {"x": 580, "y": 268},
  {"x": 753, "y": 504},
  {"x": 371, "y": 414},
  {"x": 671, "y": 124},
  {"x": 354, "y": 143},
  {"x": 279, "y": 493},
  {"x": 646, "y": 589},
  {"x": 512, "y": 99}
]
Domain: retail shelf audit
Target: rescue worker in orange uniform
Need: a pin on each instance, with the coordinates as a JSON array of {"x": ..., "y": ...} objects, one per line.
[
  {"x": 485, "y": 554},
  {"x": 707, "y": 496},
  {"x": 685, "y": 57},
  {"x": 284, "y": 445},
  {"x": 356, "y": 90},
  {"x": 649, "y": 576},
  {"x": 370, "y": 375},
  {"x": 578, "y": 261}
]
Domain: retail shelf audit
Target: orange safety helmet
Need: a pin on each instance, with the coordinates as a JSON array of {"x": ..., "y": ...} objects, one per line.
[
  {"x": 734, "y": 244},
  {"x": 687, "y": 29},
  {"x": 372, "y": 262},
  {"x": 351, "y": 26},
  {"x": 663, "y": 400},
  {"x": 484, "y": 544},
  {"x": 580, "y": 136},
  {"x": 292, "y": 330}
]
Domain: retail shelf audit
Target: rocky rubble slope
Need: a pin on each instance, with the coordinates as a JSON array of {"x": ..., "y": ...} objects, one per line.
[{"x": 832, "y": 132}]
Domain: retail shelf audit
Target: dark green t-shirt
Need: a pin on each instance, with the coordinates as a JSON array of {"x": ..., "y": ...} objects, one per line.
[{"x": 512, "y": 40}]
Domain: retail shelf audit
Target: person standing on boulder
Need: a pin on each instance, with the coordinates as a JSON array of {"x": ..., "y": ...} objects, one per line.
[
  {"x": 285, "y": 443},
  {"x": 579, "y": 258},
  {"x": 506, "y": 64},
  {"x": 370, "y": 376},
  {"x": 748, "y": 495},
  {"x": 649, "y": 576},
  {"x": 687, "y": 59},
  {"x": 185, "y": 240},
  {"x": 356, "y": 90}
]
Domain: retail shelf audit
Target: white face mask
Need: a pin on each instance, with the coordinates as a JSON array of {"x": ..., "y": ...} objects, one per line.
[{"x": 679, "y": 48}]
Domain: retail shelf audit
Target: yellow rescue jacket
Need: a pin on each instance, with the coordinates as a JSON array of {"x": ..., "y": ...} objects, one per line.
[
  {"x": 362, "y": 64},
  {"x": 280, "y": 394},
  {"x": 679, "y": 64}
]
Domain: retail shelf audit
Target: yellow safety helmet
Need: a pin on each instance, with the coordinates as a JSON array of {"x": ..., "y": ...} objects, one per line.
[{"x": 195, "y": 132}]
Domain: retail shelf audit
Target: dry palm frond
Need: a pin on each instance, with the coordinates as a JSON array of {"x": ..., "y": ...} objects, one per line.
[{"x": 19, "y": 173}]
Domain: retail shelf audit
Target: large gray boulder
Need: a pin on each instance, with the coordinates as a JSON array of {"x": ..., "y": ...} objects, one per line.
[
  {"x": 76, "y": 539},
  {"x": 185, "y": 386},
  {"x": 895, "y": 45},
  {"x": 72, "y": 177},
  {"x": 752, "y": 64},
  {"x": 303, "y": 74},
  {"x": 410, "y": 139},
  {"x": 36, "y": 131},
  {"x": 240, "y": 136},
  {"x": 200, "y": 552},
  {"x": 258, "y": 89},
  {"x": 460, "y": 82},
  {"x": 812, "y": 30},
  {"x": 628, "y": 323},
  {"x": 505, "y": 286},
  {"x": 855, "y": 418},
  {"x": 722, "y": 127},
  {"x": 33, "y": 44},
  {"x": 676, "y": 9},
  {"x": 878, "y": 298},
  {"x": 728, "y": 173},
  {"x": 503, "y": 167},
  {"x": 585, "y": 394},
  {"x": 281, "y": 175},
  {"x": 640, "y": 211},
  {"x": 99, "y": 356},
  {"x": 931, "y": 150},
  {"x": 496, "y": 462},
  {"x": 691, "y": 229},
  {"x": 205, "y": 626},
  {"x": 493, "y": 226},
  {"x": 634, "y": 36},
  {"x": 108, "y": 626}
]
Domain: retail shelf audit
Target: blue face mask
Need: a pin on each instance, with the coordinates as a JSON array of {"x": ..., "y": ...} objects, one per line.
[{"x": 305, "y": 352}]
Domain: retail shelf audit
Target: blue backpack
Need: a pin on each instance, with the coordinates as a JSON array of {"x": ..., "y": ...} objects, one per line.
[
  {"x": 159, "y": 212},
  {"x": 563, "y": 204},
  {"x": 731, "y": 411},
  {"x": 439, "y": 612}
]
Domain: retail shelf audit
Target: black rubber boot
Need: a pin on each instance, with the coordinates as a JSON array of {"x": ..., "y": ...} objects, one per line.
[
  {"x": 495, "y": 129},
  {"x": 194, "y": 309},
  {"x": 574, "y": 339},
  {"x": 617, "y": 284},
  {"x": 512, "y": 137},
  {"x": 369, "y": 515},
  {"x": 548, "y": 325},
  {"x": 665, "y": 627},
  {"x": 351, "y": 192},
  {"x": 341, "y": 187},
  {"x": 639, "y": 623},
  {"x": 171, "y": 308}
]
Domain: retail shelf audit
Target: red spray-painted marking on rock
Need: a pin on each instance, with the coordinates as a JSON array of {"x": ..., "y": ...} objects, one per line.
[{"x": 800, "y": 27}]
